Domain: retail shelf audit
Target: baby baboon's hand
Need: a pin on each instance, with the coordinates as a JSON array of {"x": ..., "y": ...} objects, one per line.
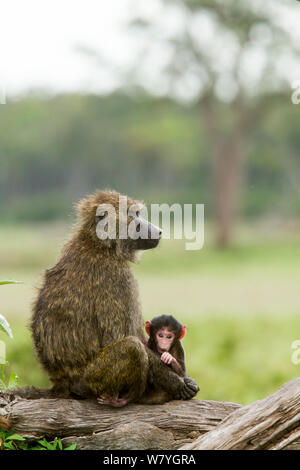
[{"x": 167, "y": 358}]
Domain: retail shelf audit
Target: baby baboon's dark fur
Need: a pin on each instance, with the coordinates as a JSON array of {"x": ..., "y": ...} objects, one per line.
[
  {"x": 154, "y": 395},
  {"x": 176, "y": 350},
  {"x": 87, "y": 324}
]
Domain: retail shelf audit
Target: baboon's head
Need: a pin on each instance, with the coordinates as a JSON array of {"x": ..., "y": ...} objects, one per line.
[{"x": 113, "y": 221}]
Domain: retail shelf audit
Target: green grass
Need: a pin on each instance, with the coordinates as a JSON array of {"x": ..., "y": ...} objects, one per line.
[
  {"x": 241, "y": 306},
  {"x": 241, "y": 359}
]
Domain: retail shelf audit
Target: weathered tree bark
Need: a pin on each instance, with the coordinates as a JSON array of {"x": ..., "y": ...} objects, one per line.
[
  {"x": 272, "y": 423},
  {"x": 92, "y": 426}
]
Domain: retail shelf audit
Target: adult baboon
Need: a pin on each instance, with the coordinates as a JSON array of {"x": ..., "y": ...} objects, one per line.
[{"x": 87, "y": 324}]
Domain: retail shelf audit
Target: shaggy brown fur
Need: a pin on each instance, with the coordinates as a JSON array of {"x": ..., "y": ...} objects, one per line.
[{"x": 87, "y": 324}]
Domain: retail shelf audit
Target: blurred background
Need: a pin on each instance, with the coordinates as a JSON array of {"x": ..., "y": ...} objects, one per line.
[{"x": 186, "y": 101}]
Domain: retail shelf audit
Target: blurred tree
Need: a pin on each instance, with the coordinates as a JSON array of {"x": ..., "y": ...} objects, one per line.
[{"x": 223, "y": 59}]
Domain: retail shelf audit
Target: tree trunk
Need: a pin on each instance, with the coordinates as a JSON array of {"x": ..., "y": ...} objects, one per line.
[
  {"x": 228, "y": 149},
  {"x": 272, "y": 423},
  {"x": 227, "y": 175}
]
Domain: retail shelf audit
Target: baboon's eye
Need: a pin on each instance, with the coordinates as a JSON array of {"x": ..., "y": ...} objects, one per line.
[{"x": 100, "y": 217}]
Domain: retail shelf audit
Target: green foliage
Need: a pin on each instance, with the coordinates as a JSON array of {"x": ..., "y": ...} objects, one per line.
[
  {"x": 54, "y": 445},
  {"x": 157, "y": 148},
  {"x": 241, "y": 359},
  {"x": 11, "y": 441},
  {"x": 12, "y": 381},
  {"x": 9, "y": 281},
  {"x": 5, "y": 328}
]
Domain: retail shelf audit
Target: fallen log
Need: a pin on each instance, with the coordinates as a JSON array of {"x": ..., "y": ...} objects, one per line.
[
  {"x": 271, "y": 423},
  {"x": 92, "y": 426}
]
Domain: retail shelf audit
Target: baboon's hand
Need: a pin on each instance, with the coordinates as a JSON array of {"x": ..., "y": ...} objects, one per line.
[
  {"x": 167, "y": 358},
  {"x": 190, "y": 389}
]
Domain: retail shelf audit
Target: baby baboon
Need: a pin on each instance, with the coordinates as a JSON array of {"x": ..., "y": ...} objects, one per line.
[
  {"x": 87, "y": 324},
  {"x": 165, "y": 334}
]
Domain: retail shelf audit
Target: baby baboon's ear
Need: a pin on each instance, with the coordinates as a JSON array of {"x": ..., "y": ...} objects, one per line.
[
  {"x": 147, "y": 327},
  {"x": 182, "y": 333}
]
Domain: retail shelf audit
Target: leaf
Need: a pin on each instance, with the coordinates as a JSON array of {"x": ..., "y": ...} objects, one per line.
[
  {"x": 43, "y": 442},
  {"x": 57, "y": 444},
  {"x": 46, "y": 444},
  {"x": 9, "y": 445},
  {"x": 9, "y": 281},
  {"x": 12, "y": 381},
  {"x": 15, "y": 437},
  {"x": 71, "y": 447},
  {"x": 4, "y": 326}
]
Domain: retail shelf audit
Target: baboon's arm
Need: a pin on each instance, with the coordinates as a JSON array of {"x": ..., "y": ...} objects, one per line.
[{"x": 162, "y": 377}]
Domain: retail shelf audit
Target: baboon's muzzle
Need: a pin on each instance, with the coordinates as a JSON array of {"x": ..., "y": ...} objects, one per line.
[{"x": 149, "y": 234}]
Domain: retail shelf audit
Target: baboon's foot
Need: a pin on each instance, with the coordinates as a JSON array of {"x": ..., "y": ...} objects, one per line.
[
  {"x": 190, "y": 390},
  {"x": 116, "y": 402}
]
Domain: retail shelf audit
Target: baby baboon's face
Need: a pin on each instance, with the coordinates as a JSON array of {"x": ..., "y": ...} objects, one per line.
[{"x": 164, "y": 338}]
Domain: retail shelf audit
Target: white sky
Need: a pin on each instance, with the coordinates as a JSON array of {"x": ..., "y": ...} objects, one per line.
[{"x": 38, "y": 40}]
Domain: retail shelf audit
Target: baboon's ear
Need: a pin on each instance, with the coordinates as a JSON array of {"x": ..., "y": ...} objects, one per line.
[
  {"x": 182, "y": 333},
  {"x": 147, "y": 327},
  {"x": 86, "y": 208}
]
